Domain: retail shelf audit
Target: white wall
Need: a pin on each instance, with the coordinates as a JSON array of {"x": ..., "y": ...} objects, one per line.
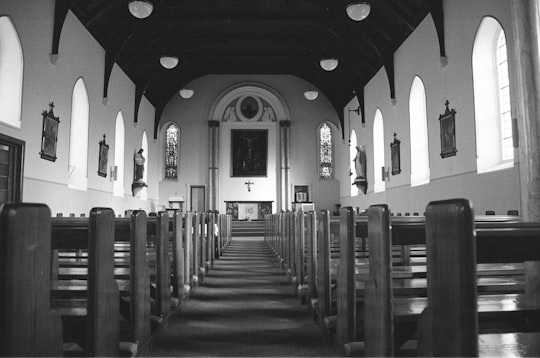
[
  {"x": 79, "y": 56},
  {"x": 450, "y": 177}
]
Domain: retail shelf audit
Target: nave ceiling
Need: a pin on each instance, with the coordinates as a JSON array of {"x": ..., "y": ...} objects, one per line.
[{"x": 250, "y": 37}]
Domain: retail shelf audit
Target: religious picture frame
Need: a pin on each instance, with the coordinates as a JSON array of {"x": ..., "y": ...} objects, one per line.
[
  {"x": 301, "y": 193},
  {"x": 249, "y": 152},
  {"x": 447, "y": 122},
  {"x": 103, "y": 158},
  {"x": 49, "y": 135},
  {"x": 395, "y": 155}
]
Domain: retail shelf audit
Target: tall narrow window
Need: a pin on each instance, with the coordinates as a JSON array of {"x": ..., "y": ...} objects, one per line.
[
  {"x": 326, "y": 163},
  {"x": 419, "y": 133},
  {"x": 78, "y": 139},
  {"x": 11, "y": 73},
  {"x": 172, "y": 145},
  {"x": 504, "y": 98},
  {"x": 492, "y": 107},
  {"x": 353, "y": 142},
  {"x": 378, "y": 152},
  {"x": 119, "y": 143}
]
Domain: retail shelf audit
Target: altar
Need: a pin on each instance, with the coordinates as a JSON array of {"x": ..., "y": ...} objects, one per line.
[{"x": 248, "y": 210}]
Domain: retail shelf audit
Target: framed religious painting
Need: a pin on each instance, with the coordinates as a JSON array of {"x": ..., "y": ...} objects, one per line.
[
  {"x": 395, "y": 155},
  {"x": 49, "y": 134},
  {"x": 103, "y": 158},
  {"x": 448, "y": 132},
  {"x": 249, "y": 152}
]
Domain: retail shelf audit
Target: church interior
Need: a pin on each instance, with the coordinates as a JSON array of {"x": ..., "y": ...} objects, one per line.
[{"x": 311, "y": 121}]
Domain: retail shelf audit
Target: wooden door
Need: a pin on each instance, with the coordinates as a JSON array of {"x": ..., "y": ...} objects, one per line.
[
  {"x": 197, "y": 198},
  {"x": 11, "y": 164}
]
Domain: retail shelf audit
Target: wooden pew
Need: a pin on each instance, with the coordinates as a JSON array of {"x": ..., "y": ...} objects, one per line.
[
  {"x": 350, "y": 287},
  {"x": 385, "y": 318},
  {"x": 93, "y": 322},
  {"x": 452, "y": 253},
  {"x": 28, "y": 326}
]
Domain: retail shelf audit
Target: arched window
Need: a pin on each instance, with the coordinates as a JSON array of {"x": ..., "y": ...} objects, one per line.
[
  {"x": 378, "y": 152},
  {"x": 419, "y": 133},
  {"x": 11, "y": 73},
  {"x": 78, "y": 139},
  {"x": 352, "y": 154},
  {"x": 494, "y": 147},
  {"x": 326, "y": 161},
  {"x": 172, "y": 151},
  {"x": 119, "y": 144}
]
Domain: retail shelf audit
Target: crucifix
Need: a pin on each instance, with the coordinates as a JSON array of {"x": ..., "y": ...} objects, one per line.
[{"x": 249, "y": 183}]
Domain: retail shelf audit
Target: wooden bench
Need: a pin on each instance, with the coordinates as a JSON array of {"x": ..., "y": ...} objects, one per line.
[
  {"x": 29, "y": 327},
  {"x": 91, "y": 320},
  {"x": 452, "y": 253},
  {"x": 386, "y": 317}
]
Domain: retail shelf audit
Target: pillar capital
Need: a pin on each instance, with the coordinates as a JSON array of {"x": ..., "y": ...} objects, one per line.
[
  {"x": 213, "y": 123},
  {"x": 284, "y": 123}
]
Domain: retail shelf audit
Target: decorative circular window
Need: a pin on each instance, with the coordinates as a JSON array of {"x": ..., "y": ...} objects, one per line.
[{"x": 249, "y": 108}]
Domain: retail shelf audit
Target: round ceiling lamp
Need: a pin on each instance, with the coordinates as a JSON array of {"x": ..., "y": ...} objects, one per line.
[
  {"x": 311, "y": 95},
  {"x": 358, "y": 11},
  {"x": 141, "y": 9},
  {"x": 186, "y": 93},
  {"x": 168, "y": 62},
  {"x": 329, "y": 64}
]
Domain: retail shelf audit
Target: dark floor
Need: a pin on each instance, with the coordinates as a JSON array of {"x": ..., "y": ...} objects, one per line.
[{"x": 245, "y": 307}]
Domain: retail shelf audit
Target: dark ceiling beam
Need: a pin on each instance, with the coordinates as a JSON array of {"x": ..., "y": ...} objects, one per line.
[
  {"x": 111, "y": 56},
  {"x": 437, "y": 12},
  {"x": 61, "y": 8},
  {"x": 397, "y": 13},
  {"x": 386, "y": 56},
  {"x": 101, "y": 12},
  {"x": 345, "y": 46}
]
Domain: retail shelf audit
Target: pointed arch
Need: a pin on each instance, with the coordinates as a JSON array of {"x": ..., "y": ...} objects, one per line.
[
  {"x": 119, "y": 150},
  {"x": 418, "y": 133},
  {"x": 353, "y": 142},
  {"x": 378, "y": 152},
  {"x": 78, "y": 139},
  {"x": 11, "y": 73},
  {"x": 492, "y": 100}
]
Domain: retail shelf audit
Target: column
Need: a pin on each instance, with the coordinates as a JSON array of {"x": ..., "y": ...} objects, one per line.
[
  {"x": 285, "y": 172},
  {"x": 213, "y": 164},
  {"x": 526, "y": 34}
]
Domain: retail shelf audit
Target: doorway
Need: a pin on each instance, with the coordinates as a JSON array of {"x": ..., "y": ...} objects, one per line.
[
  {"x": 11, "y": 164},
  {"x": 197, "y": 198}
]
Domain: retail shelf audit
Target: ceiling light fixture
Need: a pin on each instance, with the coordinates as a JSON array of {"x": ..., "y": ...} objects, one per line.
[
  {"x": 141, "y": 9},
  {"x": 329, "y": 64},
  {"x": 168, "y": 62},
  {"x": 311, "y": 95},
  {"x": 186, "y": 93},
  {"x": 358, "y": 11}
]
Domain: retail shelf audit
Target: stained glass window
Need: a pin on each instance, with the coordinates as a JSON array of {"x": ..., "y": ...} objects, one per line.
[
  {"x": 172, "y": 136},
  {"x": 326, "y": 164}
]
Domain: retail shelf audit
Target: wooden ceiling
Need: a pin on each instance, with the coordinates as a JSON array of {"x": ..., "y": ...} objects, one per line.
[{"x": 250, "y": 37}]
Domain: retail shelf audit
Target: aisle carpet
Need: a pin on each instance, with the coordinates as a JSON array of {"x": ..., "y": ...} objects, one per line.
[{"x": 245, "y": 307}]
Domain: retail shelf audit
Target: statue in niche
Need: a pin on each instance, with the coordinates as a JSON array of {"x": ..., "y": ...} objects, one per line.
[
  {"x": 230, "y": 114},
  {"x": 360, "y": 165}
]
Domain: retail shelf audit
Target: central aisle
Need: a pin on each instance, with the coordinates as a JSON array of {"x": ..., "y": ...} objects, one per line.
[{"x": 244, "y": 308}]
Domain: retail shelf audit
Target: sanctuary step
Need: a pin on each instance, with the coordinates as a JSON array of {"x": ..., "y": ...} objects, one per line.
[{"x": 247, "y": 228}]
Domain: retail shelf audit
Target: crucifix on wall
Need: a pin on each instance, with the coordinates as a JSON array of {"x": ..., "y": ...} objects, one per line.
[{"x": 249, "y": 183}]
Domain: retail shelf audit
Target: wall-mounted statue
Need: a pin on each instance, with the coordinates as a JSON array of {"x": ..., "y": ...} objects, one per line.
[
  {"x": 138, "y": 182},
  {"x": 360, "y": 165}
]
